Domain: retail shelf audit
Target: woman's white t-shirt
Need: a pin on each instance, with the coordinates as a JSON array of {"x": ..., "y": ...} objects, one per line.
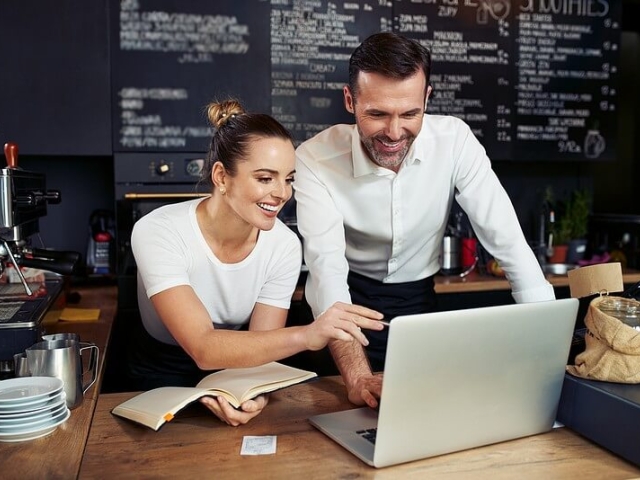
[{"x": 170, "y": 250}]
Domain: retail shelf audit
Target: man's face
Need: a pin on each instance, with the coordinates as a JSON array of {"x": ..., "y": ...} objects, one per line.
[{"x": 389, "y": 115}]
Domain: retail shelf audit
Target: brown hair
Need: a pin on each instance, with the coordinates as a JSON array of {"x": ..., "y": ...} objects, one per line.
[
  {"x": 391, "y": 55},
  {"x": 234, "y": 130}
]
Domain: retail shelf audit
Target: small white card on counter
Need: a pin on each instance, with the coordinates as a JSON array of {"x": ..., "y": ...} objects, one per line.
[{"x": 264, "y": 445}]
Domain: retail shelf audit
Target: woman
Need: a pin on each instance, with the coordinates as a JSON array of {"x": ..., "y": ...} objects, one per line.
[{"x": 216, "y": 275}]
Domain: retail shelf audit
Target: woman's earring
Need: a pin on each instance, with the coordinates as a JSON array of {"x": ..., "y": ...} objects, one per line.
[{"x": 223, "y": 190}]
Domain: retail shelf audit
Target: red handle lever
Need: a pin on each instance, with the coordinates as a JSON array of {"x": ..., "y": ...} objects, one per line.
[{"x": 11, "y": 154}]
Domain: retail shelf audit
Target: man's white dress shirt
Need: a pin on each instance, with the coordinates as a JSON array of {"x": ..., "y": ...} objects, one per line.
[{"x": 355, "y": 215}]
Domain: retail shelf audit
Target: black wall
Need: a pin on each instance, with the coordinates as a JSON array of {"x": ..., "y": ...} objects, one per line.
[{"x": 85, "y": 184}]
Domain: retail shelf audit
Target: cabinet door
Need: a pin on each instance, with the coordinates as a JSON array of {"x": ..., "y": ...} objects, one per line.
[{"x": 55, "y": 81}]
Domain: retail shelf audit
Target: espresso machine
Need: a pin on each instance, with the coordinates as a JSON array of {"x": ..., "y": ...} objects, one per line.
[{"x": 23, "y": 200}]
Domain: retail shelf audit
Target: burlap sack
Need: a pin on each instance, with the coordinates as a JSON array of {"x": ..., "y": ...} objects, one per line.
[{"x": 612, "y": 352}]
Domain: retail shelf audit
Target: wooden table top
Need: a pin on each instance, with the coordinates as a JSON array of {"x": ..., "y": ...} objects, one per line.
[
  {"x": 196, "y": 445},
  {"x": 59, "y": 454}
]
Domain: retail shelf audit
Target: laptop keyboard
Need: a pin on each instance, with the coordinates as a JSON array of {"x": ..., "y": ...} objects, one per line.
[{"x": 368, "y": 434}]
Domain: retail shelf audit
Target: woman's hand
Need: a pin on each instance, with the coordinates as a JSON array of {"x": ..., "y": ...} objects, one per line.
[
  {"x": 231, "y": 416},
  {"x": 342, "y": 321}
]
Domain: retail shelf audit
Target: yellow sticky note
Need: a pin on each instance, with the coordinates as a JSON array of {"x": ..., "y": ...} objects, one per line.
[
  {"x": 51, "y": 317},
  {"x": 80, "y": 314}
]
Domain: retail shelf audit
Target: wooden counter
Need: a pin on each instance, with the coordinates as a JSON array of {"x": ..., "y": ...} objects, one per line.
[
  {"x": 474, "y": 282},
  {"x": 58, "y": 455},
  {"x": 197, "y": 445}
]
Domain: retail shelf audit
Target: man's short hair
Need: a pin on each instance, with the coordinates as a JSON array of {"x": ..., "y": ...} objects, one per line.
[{"x": 391, "y": 55}]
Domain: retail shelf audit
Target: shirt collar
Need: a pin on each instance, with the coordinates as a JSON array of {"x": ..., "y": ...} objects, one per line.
[{"x": 362, "y": 165}]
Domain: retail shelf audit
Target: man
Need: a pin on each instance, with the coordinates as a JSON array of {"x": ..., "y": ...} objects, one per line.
[{"x": 373, "y": 200}]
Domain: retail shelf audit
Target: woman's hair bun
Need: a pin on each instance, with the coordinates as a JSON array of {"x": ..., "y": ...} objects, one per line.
[{"x": 220, "y": 113}]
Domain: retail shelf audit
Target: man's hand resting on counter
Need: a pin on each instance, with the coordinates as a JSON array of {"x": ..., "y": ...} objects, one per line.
[
  {"x": 366, "y": 390},
  {"x": 235, "y": 417}
]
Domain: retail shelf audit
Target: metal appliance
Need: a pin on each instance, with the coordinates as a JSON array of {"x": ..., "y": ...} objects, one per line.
[
  {"x": 144, "y": 182},
  {"x": 101, "y": 245},
  {"x": 450, "y": 255},
  {"x": 23, "y": 200}
]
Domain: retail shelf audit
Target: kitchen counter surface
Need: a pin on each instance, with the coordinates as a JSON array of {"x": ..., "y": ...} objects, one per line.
[
  {"x": 475, "y": 282},
  {"x": 58, "y": 455}
]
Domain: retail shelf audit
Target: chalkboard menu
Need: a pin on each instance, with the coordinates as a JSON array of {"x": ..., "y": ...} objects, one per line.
[
  {"x": 535, "y": 79},
  {"x": 170, "y": 58},
  {"x": 566, "y": 73},
  {"x": 311, "y": 43},
  {"x": 471, "y": 62}
]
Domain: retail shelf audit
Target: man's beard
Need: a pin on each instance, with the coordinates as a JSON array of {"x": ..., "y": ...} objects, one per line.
[{"x": 390, "y": 161}]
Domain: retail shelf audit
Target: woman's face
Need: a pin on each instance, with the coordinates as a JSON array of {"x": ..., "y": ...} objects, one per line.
[{"x": 263, "y": 182}]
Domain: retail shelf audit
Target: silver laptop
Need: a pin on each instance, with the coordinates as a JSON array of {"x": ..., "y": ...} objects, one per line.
[{"x": 462, "y": 379}]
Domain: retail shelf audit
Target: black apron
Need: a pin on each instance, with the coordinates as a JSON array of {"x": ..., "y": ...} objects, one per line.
[
  {"x": 392, "y": 300},
  {"x": 153, "y": 364}
]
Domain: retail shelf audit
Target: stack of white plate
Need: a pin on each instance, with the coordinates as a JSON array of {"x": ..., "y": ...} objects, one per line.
[{"x": 31, "y": 407}]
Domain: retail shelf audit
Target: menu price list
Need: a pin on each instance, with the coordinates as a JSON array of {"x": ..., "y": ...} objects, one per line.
[
  {"x": 534, "y": 79},
  {"x": 471, "y": 49},
  {"x": 311, "y": 42},
  {"x": 567, "y": 57},
  {"x": 173, "y": 57}
]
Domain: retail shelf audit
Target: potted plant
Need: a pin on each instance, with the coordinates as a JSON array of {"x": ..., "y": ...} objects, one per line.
[{"x": 570, "y": 227}]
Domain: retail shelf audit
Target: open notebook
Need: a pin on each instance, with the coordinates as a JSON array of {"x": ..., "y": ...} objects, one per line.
[
  {"x": 155, "y": 407},
  {"x": 461, "y": 379}
]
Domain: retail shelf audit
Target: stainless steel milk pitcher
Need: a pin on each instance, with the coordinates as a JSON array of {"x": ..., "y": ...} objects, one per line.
[{"x": 63, "y": 359}]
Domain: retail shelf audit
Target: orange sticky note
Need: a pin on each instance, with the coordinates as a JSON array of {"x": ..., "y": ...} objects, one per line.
[{"x": 80, "y": 314}]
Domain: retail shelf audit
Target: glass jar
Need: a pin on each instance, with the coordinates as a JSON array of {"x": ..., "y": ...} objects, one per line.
[{"x": 626, "y": 310}]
